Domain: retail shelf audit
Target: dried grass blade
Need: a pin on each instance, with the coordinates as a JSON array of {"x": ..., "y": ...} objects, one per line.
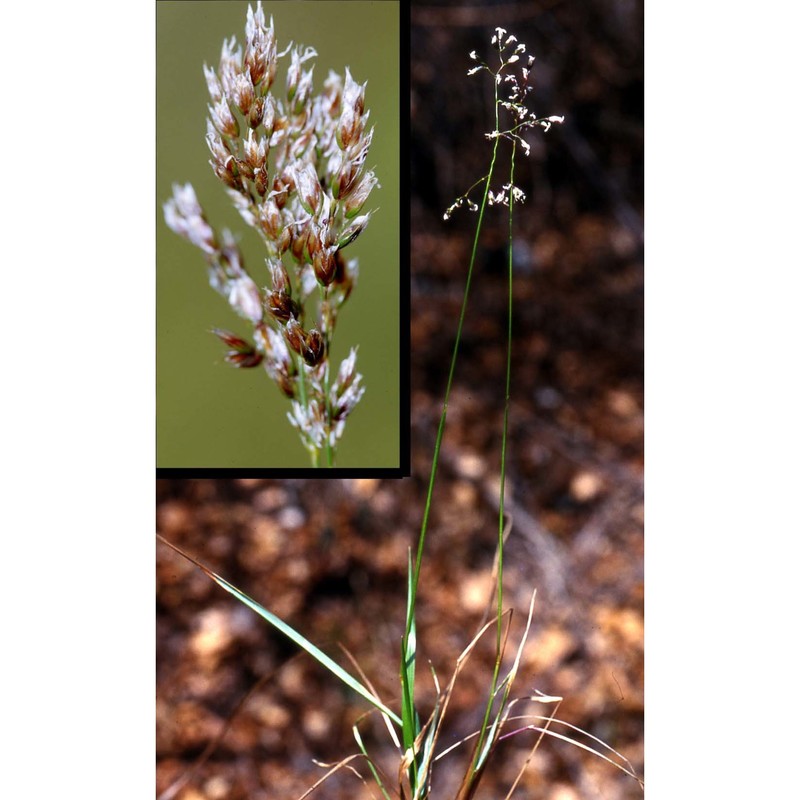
[
  {"x": 342, "y": 764},
  {"x": 547, "y": 731},
  {"x": 389, "y": 727}
]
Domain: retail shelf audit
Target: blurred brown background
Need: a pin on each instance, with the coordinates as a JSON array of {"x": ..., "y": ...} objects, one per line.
[{"x": 329, "y": 557}]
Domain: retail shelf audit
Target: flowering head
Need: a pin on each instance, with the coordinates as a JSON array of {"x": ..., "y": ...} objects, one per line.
[
  {"x": 515, "y": 77},
  {"x": 293, "y": 162}
]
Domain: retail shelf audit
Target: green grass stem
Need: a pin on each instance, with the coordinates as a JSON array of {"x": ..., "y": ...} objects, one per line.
[{"x": 409, "y": 637}]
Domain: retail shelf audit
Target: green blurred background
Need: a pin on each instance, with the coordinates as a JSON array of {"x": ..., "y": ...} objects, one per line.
[{"x": 210, "y": 415}]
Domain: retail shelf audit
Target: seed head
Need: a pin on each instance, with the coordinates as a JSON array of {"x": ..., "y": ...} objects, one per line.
[
  {"x": 214, "y": 86},
  {"x": 277, "y": 360},
  {"x": 294, "y": 168},
  {"x": 347, "y": 389},
  {"x": 324, "y": 265},
  {"x": 230, "y": 65},
  {"x": 255, "y": 150},
  {"x": 306, "y": 182},
  {"x": 359, "y": 193},
  {"x": 185, "y": 216},
  {"x": 300, "y": 234},
  {"x": 223, "y": 119},
  {"x": 314, "y": 348},
  {"x": 298, "y": 81},
  {"x": 220, "y": 151},
  {"x": 310, "y": 423},
  {"x": 309, "y": 345},
  {"x": 261, "y": 56},
  {"x": 353, "y": 230},
  {"x": 269, "y": 218},
  {"x": 282, "y": 307},
  {"x": 523, "y": 117},
  {"x": 352, "y": 111},
  {"x": 279, "y": 276},
  {"x": 233, "y": 341},
  {"x": 245, "y": 299},
  {"x": 242, "y": 353},
  {"x": 243, "y": 92}
]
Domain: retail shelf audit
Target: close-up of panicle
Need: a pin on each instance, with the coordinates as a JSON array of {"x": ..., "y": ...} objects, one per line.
[{"x": 293, "y": 163}]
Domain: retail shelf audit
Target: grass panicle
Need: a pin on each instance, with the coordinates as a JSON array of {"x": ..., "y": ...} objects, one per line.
[{"x": 293, "y": 163}]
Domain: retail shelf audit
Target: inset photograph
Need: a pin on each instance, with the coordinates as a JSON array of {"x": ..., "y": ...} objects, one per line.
[{"x": 277, "y": 232}]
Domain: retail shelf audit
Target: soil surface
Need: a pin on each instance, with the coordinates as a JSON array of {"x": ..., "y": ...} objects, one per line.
[{"x": 329, "y": 556}]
